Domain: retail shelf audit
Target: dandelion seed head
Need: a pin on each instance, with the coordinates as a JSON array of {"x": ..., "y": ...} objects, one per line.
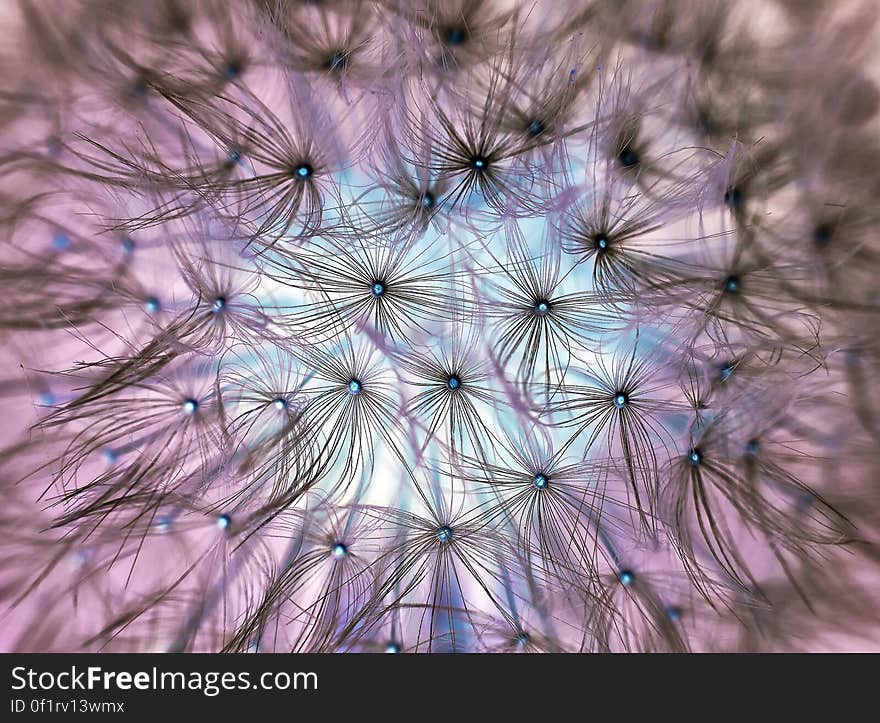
[{"x": 593, "y": 249}]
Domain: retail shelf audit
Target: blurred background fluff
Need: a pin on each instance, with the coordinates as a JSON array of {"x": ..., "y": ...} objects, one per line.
[{"x": 439, "y": 325}]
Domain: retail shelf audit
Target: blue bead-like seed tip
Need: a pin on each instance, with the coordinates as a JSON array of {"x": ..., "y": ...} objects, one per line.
[
  {"x": 392, "y": 648},
  {"x": 822, "y": 234},
  {"x": 338, "y": 60},
  {"x": 535, "y": 128},
  {"x": 190, "y": 406},
  {"x": 378, "y": 288},
  {"x": 232, "y": 70},
  {"x": 732, "y": 284},
  {"x": 339, "y": 550},
  {"x": 454, "y": 36},
  {"x": 223, "y": 521},
  {"x": 444, "y": 534},
  {"x": 542, "y": 307},
  {"x": 453, "y": 382},
  {"x": 303, "y": 170},
  {"x": 540, "y": 481},
  {"x": 601, "y": 242},
  {"x": 732, "y": 197},
  {"x": 628, "y": 158},
  {"x": 219, "y": 304},
  {"x": 479, "y": 163},
  {"x": 620, "y": 400},
  {"x": 152, "y": 304},
  {"x": 280, "y": 404},
  {"x": 695, "y": 457},
  {"x": 354, "y": 386},
  {"x": 626, "y": 577},
  {"x": 523, "y": 639}
]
